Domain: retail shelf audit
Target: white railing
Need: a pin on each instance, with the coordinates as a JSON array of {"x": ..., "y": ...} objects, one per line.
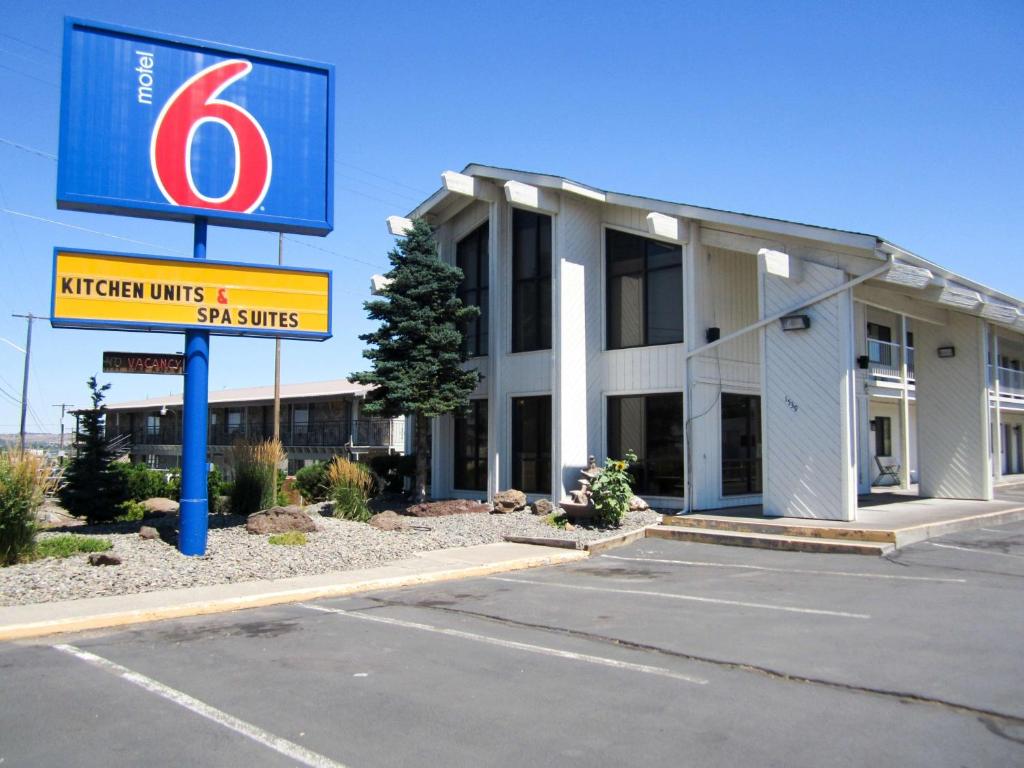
[
  {"x": 1011, "y": 382},
  {"x": 884, "y": 359}
]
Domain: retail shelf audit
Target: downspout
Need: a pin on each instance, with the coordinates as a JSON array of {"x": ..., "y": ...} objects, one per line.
[{"x": 890, "y": 261}]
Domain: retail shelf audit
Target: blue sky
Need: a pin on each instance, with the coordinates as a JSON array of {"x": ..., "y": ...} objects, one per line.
[{"x": 902, "y": 119}]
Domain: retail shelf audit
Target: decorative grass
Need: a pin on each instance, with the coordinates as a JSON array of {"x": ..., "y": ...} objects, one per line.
[
  {"x": 351, "y": 485},
  {"x": 255, "y": 469},
  {"x": 25, "y": 480},
  {"x": 67, "y": 545},
  {"x": 289, "y": 539}
]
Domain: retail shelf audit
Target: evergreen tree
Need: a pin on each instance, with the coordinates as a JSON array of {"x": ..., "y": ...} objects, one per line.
[
  {"x": 93, "y": 487},
  {"x": 417, "y": 352}
]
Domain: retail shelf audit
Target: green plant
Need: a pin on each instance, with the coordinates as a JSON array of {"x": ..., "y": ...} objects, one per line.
[
  {"x": 141, "y": 482},
  {"x": 289, "y": 539},
  {"x": 131, "y": 512},
  {"x": 417, "y": 352},
  {"x": 255, "y": 470},
  {"x": 94, "y": 486},
  {"x": 351, "y": 485},
  {"x": 611, "y": 491},
  {"x": 68, "y": 544},
  {"x": 25, "y": 479},
  {"x": 556, "y": 520},
  {"x": 393, "y": 469},
  {"x": 311, "y": 481}
]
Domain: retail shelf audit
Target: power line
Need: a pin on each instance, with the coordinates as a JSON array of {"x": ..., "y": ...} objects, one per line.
[
  {"x": 26, "y": 42},
  {"x": 91, "y": 231},
  {"x": 27, "y": 148},
  {"x": 383, "y": 178},
  {"x": 334, "y": 253},
  {"x": 30, "y": 77}
]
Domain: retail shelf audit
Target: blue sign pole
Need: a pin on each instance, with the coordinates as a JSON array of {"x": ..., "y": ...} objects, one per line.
[{"x": 193, "y": 509}]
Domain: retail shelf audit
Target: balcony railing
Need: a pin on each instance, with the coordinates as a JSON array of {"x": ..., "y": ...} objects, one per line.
[
  {"x": 373, "y": 433},
  {"x": 1011, "y": 382},
  {"x": 884, "y": 359}
]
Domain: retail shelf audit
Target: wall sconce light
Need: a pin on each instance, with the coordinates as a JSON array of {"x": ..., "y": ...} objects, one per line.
[
  {"x": 947, "y": 351},
  {"x": 795, "y": 322},
  {"x": 863, "y": 361}
]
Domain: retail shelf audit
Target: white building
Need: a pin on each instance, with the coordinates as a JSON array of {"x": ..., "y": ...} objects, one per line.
[{"x": 598, "y": 334}]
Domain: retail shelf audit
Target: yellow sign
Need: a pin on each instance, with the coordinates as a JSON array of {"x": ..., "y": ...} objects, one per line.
[{"x": 149, "y": 293}]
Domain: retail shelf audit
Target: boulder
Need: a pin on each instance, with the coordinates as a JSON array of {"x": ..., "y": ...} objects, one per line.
[
  {"x": 448, "y": 507},
  {"x": 542, "y": 507},
  {"x": 102, "y": 558},
  {"x": 509, "y": 501},
  {"x": 388, "y": 521},
  {"x": 321, "y": 508},
  {"x": 280, "y": 520},
  {"x": 636, "y": 504},
  {"x": 161, "y": 506},
  {"x": 148, "y": 532}
]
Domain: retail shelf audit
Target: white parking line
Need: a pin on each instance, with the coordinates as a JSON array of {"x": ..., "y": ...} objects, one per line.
[
  {"x": 693, "y": 598},
  {"x": 973, "y": 549},
  {"x": 783, "y": 570},
  {"x": 528, "y": 647},
  {"x": 276, "y": 743}
]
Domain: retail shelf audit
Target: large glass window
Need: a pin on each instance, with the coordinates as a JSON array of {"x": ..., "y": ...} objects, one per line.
[
  {"x": 644, "y": 291},
  {"x": 531, "y": 281},
  {"x": 652, "y": 427},
  {"x": 883, "y": 436},
  {"x": 471, "y": 258},
  {"x": 531, "y": 444},
  {"x": 741, "y": 444},
  {"x": 471, "y": 447}
]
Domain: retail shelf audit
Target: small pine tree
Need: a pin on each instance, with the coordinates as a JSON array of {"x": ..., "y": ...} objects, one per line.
[
  {"x": 417, "y": 352},
  {"x": 93, "y": 487}
]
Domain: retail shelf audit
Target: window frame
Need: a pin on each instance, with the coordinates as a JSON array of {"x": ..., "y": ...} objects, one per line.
[
  {"x": 749, "y": 460},
  {"x": 514, "y": 475},
  {"x": 606, "y": 280},
  {"x": 644, "y": 396},
  {"x": 883, "y": 435}
]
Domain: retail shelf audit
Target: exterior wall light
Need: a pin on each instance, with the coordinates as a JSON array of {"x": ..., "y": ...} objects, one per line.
[
  {"x": 947, "y": 351},
  {"x": 795, "y": 322}
]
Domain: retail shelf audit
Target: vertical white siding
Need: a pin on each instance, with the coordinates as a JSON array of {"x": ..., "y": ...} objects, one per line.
[
  {"x": 807, "y": 409},
  {"x": 727, "y": 299},
  {"x": 952, "y": 409}
]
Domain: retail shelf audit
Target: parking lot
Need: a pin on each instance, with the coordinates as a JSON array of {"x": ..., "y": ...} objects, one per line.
[{"x": 657, "y": 654}]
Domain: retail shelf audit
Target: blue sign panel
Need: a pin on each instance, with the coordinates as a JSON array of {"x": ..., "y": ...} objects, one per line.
[{"x": 173, "y": 128}]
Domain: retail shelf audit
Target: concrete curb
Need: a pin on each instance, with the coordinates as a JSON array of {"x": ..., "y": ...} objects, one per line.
[
  {"x": 25, "y": 621},
  {"x": 591, "y": 547}
]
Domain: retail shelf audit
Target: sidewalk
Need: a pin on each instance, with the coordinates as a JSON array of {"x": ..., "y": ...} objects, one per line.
[{"x": 26, "y": 621}]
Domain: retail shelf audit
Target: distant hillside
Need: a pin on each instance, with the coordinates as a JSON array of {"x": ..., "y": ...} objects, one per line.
[{"x": 35, "y": 439}]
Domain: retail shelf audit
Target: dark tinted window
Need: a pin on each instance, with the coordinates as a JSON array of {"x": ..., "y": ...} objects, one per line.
[
  {"x": 652, "y": 427},
  {"x": 531, "y": 281},
  {"x": 471, "y": 258},
  {"x": 471, "y": 447},
  {"x": 531, "y": 444},
  {"x": 741, "y": 444},
  {"x": 644, "y": 291}
]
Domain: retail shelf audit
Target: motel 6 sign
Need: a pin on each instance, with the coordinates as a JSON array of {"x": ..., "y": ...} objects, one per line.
[{"x": 173, "y": 128}]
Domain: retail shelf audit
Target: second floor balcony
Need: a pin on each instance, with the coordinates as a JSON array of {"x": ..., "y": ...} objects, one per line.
[
  {"x": 1011, "y": 382},
  {"x": 364, "y": 433},
  {"x": 884, "y": 360}
]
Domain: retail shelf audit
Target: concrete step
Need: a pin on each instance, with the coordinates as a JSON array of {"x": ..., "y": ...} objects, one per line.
[
  {"x": 770, "y": 540},
  {"x": 741, "y": 525}
]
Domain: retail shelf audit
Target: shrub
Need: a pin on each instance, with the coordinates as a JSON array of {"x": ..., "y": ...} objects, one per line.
[
  {"x": 288, "y": 539},
  {"x": 94, "y": 486},
  {"x": 25, "y": 479},
  {"x": 611, "y": 491},
  {"x": 141, "y": 482},
  {"x": 131, "y": 512},
  {"x": 393, "y": 469},
  {"x": 255, "y": 469},
  {"x": 311, "y": 482},
  {"x": 351, "y": 487},
  {"x": 69, "y": 544},
  {"x": 216, "y": 486}
]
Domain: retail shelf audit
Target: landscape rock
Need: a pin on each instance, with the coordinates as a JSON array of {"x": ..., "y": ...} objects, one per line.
[
  {"x": 509, "y": 501},
  {"x": 161, "y": 506},
  {"x": 388, "y": 521},
  {"x": 321, "y": 508},
  {"x": 102, "y": 558},
  {"x": 636, "y": 504},
  {"x": 280, "y": 520},
  {"x": 448, "y": 507},
  {"x": 148, "y": 532},
  {"x": 542, "y": 507}
]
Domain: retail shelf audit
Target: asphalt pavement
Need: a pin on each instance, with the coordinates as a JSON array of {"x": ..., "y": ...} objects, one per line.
[{"x": 660, "y": 653}]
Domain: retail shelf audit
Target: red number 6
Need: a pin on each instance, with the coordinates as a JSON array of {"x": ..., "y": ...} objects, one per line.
[{"x": 170, "y": 150}]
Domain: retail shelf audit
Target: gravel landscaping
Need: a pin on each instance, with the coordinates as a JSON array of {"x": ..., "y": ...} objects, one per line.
[{"x": 234, "y": 555}]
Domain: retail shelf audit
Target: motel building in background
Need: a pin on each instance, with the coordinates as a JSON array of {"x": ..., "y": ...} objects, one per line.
[{"x": 746, "y": 360}]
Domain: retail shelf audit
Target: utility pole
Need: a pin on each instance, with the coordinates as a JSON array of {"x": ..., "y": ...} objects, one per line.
[
  {"x": 277, "y": 354},
  {"x": 63, "y": 409},
  {"x": 24, "y": 380}
]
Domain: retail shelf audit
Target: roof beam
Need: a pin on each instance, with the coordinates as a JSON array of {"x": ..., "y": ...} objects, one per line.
[
  {"x": 399, "y": 226},
  {"x": 782, "y": 264},
  {"x": 528, "y": 196},
  {"x": 998, "y": 312},
  {"x": 468, "y": 186},
  {"x": 666, "y": 227},
  {"x": 952, "y": 295},
  {"x": 906, "y": 276}
]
